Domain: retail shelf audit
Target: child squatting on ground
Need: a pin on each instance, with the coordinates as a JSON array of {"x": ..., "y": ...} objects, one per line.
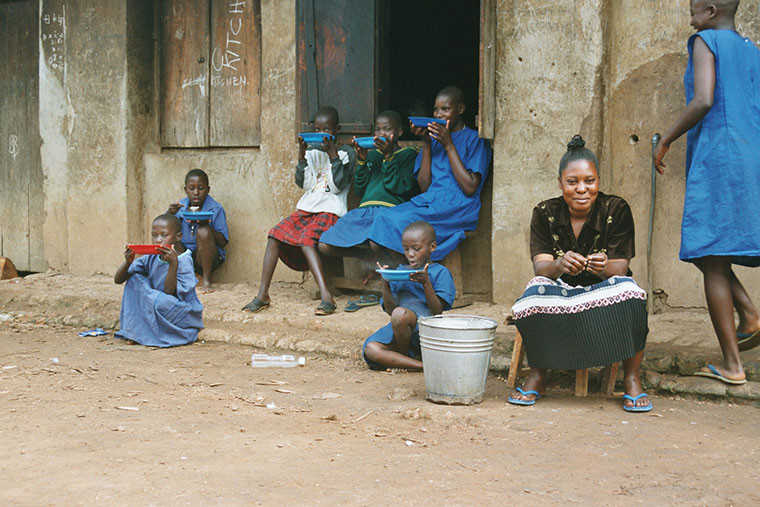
[
  {"x": 159, "y": 307},
  {"x": 205, "y": 239},
  {"x": 451, "y": 170},
  {"x": 722, "y": 204},
  {"x": 384, "y": 178},
  {"x": 429, "y": 291},
  {"x": 324, "y": 171}
]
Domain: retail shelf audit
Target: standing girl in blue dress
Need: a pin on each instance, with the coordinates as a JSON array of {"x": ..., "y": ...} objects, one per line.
[
  {"x": 722, "y": 202},
  {"x": 451, "y": 170}
]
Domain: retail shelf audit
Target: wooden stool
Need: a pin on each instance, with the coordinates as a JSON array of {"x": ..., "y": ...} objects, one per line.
[
  {"x": 7, "y": 269},
  {"x": 581, "y": 376}
]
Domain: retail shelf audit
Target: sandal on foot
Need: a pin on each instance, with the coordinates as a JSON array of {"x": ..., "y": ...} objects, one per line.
[
  {"x": 748, "y": 340},
  {"x": 362, "y": 302},
  {"x": 517, "y": 401},
  {"x": 634, "y": 408},
  {"x": 325, "y": 308},
  {"x": 714, "y": 373},
  {"x": 256, "y": 305}
]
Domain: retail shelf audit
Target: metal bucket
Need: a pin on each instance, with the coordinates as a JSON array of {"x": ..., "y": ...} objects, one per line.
[{"x": 456, "y": 352}]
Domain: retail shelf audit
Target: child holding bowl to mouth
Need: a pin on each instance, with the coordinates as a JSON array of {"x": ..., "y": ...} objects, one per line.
[
  {"x": 429, "y": 291},
  {"x": 159, "y": 307}
]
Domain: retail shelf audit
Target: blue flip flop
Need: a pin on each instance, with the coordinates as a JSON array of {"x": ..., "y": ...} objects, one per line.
[
  {"x": 515, "y": 401},
  {"x": 748, "y": 341},
  {"x": 634, "y": 408},
  {"x": 714, "y": 373},
  {"x": 362, "y": 302}
]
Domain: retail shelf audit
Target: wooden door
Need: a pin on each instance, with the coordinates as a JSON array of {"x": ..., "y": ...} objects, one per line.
[{"x": 21, "y": 198}]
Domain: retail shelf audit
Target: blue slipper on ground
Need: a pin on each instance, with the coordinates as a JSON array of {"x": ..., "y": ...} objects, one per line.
[
  {"x": 634, "y": 408},
  {"x": 362, "y": 302},
  {"x": 748, "y": 340},
  {"x": 713, "y": 373},
  {"x": 516, "y": 401}
]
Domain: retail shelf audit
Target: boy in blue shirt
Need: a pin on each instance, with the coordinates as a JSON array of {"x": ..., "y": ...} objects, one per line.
[
  {"x": 429, "y": 291},
  {"x": 206, "y": 240}
]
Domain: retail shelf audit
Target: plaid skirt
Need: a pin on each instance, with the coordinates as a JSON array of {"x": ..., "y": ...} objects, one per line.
[{"x": 297, "y": 230}]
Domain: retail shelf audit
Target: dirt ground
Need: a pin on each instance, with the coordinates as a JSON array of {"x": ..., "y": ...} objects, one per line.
[{"x": 95, "y": 421}]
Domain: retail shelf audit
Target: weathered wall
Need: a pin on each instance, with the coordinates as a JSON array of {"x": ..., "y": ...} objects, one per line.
[
  {"x": 255, "y": 185},
  {"x": 611, "y": 70},
  {"x": 548, "y": 82}
]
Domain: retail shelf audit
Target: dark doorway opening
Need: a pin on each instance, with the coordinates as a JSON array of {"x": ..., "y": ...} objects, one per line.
[{"x": 426, "y": 45}]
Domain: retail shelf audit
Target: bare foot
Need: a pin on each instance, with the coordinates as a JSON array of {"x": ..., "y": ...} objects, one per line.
[
  {"x": 371, "y": 275},
  {"x": 207, "y": 288}
]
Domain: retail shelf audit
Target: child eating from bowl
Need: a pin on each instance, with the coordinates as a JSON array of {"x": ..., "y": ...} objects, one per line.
[
  {"x": 205, "y": 239},
  {"x": 324, "y": 171},
  {"x": 429, "y": 291},
  {"x": 159, "y": 307}
]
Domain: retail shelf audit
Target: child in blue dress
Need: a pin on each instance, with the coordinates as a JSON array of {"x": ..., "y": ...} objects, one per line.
[
  {"x": 451, "y": 170},
  {"x": 205, "y": 240},
  {"x": 159, "y": 307},
  {"x": 429, "y": 291},
  {"x": 722, "y": 201}
]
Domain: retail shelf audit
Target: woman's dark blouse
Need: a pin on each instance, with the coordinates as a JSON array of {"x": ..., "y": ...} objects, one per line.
[{"x": 608, "y": 229}]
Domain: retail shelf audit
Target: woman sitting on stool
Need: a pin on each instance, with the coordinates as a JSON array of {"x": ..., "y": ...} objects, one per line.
[{"x": 582, "y": 309}]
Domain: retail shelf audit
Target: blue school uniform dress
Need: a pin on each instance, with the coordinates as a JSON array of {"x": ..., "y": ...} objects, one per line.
[
  {"x": 411, "y": 296},
  {"x": 218, "y": 222},
  {"x": 444, "y": 205},
  {"x": 151, "y": 317},
  {"x": 722, "y": 201}
]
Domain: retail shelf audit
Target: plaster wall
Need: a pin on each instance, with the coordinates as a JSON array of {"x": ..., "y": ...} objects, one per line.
[
  {"x": 612, "y": 71},
  {"x": 255, "y": 185}
]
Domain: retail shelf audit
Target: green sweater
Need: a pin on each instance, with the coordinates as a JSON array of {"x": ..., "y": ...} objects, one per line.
[{"x": 380, "y": 182}]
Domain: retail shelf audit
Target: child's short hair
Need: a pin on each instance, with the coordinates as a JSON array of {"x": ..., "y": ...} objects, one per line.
[
  {"x": 197, "y": 173},
  {"x": 576, "y": 151},
  {"x": 421, "y": 226},
  {"x": 452, "y": 92},
  {"x": 171, "y": 220},
  {"x": 393, "y": 116},
  {"x": 330, "y": 113}
]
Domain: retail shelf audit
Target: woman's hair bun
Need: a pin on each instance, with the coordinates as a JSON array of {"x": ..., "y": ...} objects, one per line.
[{"x": 576, "y": 142}]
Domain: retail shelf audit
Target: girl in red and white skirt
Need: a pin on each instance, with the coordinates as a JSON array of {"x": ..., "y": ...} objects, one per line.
[{"x": 325, "y": 172}]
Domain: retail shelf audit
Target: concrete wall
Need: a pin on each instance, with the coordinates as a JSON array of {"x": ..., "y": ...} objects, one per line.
[{"x": 612, "y": 71}]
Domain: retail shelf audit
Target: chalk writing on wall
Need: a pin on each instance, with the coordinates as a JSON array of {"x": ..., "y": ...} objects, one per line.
[
  {"x": 226, "y": 57},
  {"x": 53, "y": 36},
  {"x": 13, "y": 146}
]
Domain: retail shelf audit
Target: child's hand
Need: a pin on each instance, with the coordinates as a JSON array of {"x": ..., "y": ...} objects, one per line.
[
  {"x": 385, "y": 147},
  {"x": 302, "y": 149},
  {"x": 174, "y": 208},
  {"x": 168, "y": 254},
  {"x": 659, "y": 154},
  {"x": 596, "y": 263},
  {"x": 441, "y": 133},
  {"x": 572, "y": 263},
  {"x": 381, "y": 266},
  {"x": 421, "y": 276},
  {"x": 421, "y": 132},
  {"x": 129, "y": 255},
  {"x": 361, "y": 153},
  {"x": 329, "y": 146}
]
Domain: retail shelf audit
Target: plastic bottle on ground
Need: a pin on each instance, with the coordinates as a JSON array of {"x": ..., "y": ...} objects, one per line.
[{"x": 269, "y": 361}]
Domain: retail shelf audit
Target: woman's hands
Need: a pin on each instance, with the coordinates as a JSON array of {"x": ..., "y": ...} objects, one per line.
[
  {"x": 574, "y": 263},
  {"x": 441, "y": 133}
]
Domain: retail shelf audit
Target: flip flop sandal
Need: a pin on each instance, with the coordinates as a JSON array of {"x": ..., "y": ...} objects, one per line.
[
  {"x": 748, "y": 340},
  {"x": 634, "y": 408},
  {"x": 362, "y": 302},
  {"x": 714, "y": 373},
  {"x": 325, "y": 308},
  {"x": 256, "y": 305},
  {"x": 517, "y": 401}
]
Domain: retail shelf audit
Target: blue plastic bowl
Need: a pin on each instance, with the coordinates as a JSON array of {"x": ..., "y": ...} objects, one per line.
[
  {"x": 422, "y": 121},
  {"x": 314, "y": 137},
  {"x": 198, "y": 216},
  {"x": 368, "y": 142},
  {"x": 396, "y": 275}
]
